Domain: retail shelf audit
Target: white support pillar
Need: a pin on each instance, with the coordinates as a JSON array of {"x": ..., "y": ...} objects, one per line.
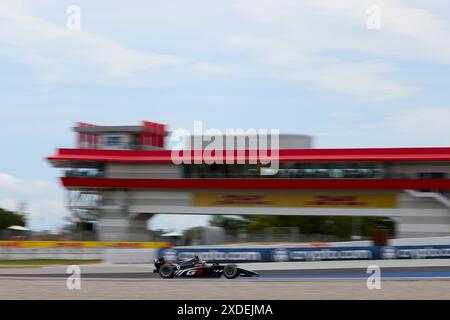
[{"x": 115, "y": 225}]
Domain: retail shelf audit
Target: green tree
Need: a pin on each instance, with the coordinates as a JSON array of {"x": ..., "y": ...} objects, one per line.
[
  {"x": 9, "y": 218},
  {"x": 342, "y": 227},
  {"x": 232, "y": 225}
]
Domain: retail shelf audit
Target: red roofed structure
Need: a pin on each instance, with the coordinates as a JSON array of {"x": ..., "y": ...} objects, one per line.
[{"x": 126, "y": 175}]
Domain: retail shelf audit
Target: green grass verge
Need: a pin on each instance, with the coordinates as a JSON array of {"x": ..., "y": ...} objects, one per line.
[{"x": 44, "y": 262}]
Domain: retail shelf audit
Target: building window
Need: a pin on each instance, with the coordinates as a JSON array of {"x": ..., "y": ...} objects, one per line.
[
  {"x": 313, "y": 170},
  {"x": 432, "y": 175}
]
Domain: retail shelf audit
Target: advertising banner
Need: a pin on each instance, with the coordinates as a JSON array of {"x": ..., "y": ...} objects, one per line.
[
  {"x": 82, "y": 244},
  {"x": 313, "y": 200},
  {"x": 280, "y": 254}
]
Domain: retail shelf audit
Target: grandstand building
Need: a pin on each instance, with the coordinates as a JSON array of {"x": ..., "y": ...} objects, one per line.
[{"x": 125, "y": 175}]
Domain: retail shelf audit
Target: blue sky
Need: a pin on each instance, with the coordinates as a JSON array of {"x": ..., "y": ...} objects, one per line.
[{"x": 308, "y": 67}]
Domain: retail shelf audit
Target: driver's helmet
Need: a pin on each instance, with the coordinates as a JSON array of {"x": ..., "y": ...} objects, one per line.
[
  {"x": 159, "y": 262},
  {"x": 197, "y": 260}
]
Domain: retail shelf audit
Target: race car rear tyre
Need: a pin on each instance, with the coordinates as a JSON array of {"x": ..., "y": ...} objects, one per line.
[
  {"x": 230, "y": 271},
  {"x": 166, "y": 271}
]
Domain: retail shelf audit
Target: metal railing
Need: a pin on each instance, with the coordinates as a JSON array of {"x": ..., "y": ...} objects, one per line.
[
  {"x": 120, "y": 146},
  {"x": 303, "y": 176}
]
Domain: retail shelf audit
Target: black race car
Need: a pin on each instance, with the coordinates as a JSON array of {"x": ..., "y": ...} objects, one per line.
[{"x": 194, "y": 268}]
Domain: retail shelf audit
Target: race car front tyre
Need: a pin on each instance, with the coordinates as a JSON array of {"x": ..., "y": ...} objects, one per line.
[
  {"x": 166, "y": 271},
  {"x": 230, "y": 271}
]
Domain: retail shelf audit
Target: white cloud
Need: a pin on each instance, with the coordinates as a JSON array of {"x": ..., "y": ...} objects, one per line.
[
  {"x": 408, "y": 30},
  {"x": 363, "y": 79},
  {"x": 56, "y": 49},
  {"x": 425, "y": 122},
  {"x": 44, "y": 206},
  {"x": 294, "y": 40},
  {"x": 211, "y": 69},
  {"x": 288, "y": 39},
  {"x": 407, "y": 127},
  {"x": 9, "y": 204},
  {"x": 9, "y": 183}
]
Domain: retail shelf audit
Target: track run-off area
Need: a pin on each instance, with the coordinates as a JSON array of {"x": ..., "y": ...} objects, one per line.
[{"x": 400, "y": 279}]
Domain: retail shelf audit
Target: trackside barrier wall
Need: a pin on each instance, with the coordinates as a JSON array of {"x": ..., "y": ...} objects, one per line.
[
  {"x": 130, "y": 255},
  {"x": 82, "y": 244},
  {"x": 278, "y": 254},
  {"x": 51, "y": 253},
  {"x": 112, "y": 252},
  {"x": 145, "y": 252}
]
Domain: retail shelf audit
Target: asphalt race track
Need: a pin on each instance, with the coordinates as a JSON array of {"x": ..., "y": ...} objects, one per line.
[
  {"x": 399, "y": 272},
  {"x": 414, "y": 281}
]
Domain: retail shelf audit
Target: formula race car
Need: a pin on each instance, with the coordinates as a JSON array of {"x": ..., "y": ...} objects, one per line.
[{"x": 194, "y": 268}]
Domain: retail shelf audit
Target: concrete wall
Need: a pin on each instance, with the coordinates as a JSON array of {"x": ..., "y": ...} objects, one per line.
[
  {"x": 108, "y": 255},
  {"x": 120, "y": 225},
  {"x": 143, "y": 171},
  {"x": 415, "y": 217},
  {"x": 131, "y": 256},
  {"x": 51, "y": 253},
  {"x": 286, "y": 141},
  {"x": 413, "y": 169},
  {"x": 145, "y": 198}
]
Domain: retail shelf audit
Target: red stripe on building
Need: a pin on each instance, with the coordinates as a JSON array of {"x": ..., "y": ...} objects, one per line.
[
  {"x": 286, "y": 184},
  {"x": 297, "y": 155}
]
